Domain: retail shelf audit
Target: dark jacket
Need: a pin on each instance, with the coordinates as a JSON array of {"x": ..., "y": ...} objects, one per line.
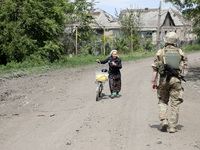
[{"x": 114, "y": 71}]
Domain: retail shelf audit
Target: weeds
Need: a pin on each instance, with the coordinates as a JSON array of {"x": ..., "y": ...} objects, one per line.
[
  {"x": 192, "y": 48},
  {"x": 28, "y": 67}
]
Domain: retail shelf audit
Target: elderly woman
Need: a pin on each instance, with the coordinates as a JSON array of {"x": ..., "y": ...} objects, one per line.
[{"x": 114, "y": 72}]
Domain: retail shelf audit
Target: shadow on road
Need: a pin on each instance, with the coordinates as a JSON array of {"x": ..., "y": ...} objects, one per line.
[
  {"x": 193, "y": 74},
  {"x": 104, "y": 97},
  {"x": 157, "y": 126},
  {"x": 108, "y": 97}
]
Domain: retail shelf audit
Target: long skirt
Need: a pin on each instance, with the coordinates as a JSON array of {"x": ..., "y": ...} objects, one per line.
[{"x": 115, "y": 85}]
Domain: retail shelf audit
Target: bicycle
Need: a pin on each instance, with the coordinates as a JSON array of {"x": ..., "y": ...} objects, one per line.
[{"x": 101, "y": 78}]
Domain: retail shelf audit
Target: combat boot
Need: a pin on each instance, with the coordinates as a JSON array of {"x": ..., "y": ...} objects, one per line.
[
  {"x": 173, "y": 130},
  {"x": 164, "y": 125}
]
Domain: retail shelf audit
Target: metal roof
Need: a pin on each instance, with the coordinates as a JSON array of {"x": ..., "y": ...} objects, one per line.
[
  {"x": 149, "y": 17},
  {"x": 102, "y": 18}
]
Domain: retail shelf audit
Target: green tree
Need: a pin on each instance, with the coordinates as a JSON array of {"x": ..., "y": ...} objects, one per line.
[
  {"x": 131, "y": 24},
  {"x": 79, "y": 13},
  {"x": 31, "y": 28},
  {"x": 191, "y": 10}
]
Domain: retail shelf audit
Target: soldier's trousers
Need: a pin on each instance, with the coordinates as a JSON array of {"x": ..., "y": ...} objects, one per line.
[{"x": 170, "y": 90}]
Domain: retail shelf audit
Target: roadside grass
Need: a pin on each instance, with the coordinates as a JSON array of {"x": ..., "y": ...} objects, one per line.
[
  {"x": 192, "y": 48},
  {"x": 15, "y": 70}
]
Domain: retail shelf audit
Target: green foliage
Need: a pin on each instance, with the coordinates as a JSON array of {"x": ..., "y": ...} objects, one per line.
[
  {"x": 192, "y": 48},
  {"x": 161, "y": 46},
  {"x": 197, "y": 31},
  {"x": 51, "y": 50},
  {"x": 34, "y": 65},
  {"x": 88, "y": 47},
  {"x": 107, "y": 39},
  {"x": 132, "y": 24},
  {"x": 148, "y": 45},
  {"x": 136, "y": 43},
  {"x": 78, "y": 13},
  {"x": 108, "y": 43},
  {"x": 121, "y": 44},
  {"x": 29, "y": 27}
]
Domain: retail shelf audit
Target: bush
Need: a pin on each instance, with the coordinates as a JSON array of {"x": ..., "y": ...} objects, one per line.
[
  {"x": 120, "y": 44},
  {"x": 89, "y": 48},
  {"x": 148, "y": 45}
]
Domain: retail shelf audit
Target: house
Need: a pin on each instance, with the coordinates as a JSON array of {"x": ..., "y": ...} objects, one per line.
[
  {"x": 103, "y": 20},
  {"x": 106, "y": 24},
  {"x": 170, "y": 20}
]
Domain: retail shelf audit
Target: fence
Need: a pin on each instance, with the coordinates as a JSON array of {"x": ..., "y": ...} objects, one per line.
[
  {"x": 103, "y": 32},
  {"x": 98, "y": 28}
]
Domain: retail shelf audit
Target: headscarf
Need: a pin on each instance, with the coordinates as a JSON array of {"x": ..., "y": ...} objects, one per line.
[{"x": 112, "y": 52}]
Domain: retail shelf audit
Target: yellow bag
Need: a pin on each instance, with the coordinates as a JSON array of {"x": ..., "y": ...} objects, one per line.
[{"x": 101, "y": 77}]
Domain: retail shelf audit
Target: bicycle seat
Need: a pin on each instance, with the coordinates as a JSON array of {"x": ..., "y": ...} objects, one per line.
[{"x": 104, "y": 70}]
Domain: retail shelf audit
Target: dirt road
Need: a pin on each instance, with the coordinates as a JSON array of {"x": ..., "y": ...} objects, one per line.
[{"x": 58, "y": 111}]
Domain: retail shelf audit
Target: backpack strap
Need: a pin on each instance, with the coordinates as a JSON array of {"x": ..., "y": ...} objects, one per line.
[{"x": 164, "y": 55}]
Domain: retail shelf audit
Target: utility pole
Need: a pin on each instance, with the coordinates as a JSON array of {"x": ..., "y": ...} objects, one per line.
[
  {"x": 76, "y": 38},
  {"x": 131, "y": 39},
  {"x": 104, "y": 40},
  {"x": 158, "y": 29}
]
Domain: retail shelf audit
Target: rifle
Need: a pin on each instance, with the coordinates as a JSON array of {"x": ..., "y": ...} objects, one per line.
[{"x": 174, "y": 72}]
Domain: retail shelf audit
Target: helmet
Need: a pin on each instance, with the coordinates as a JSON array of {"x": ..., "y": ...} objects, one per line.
[{"x": 171, "y": 38}]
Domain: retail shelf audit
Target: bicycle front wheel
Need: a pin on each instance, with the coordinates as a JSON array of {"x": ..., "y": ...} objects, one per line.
[{"x": 98, "y": 91}]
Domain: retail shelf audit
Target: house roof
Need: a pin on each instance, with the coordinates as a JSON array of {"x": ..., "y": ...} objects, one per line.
[
  {"x": 149, "y": 17},
  {"x": 178, "y": 18},
  {"x": 103, "y": 18}
]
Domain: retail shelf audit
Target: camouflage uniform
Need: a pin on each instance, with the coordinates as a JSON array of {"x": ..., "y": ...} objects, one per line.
[{"x": 169, "y": 90}]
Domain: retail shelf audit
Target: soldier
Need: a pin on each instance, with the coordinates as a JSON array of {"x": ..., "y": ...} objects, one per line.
[{"x": 169, "y": 84}]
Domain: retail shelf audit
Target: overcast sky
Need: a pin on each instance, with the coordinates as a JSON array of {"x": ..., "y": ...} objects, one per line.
[{"x": 110, "y": 5}]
